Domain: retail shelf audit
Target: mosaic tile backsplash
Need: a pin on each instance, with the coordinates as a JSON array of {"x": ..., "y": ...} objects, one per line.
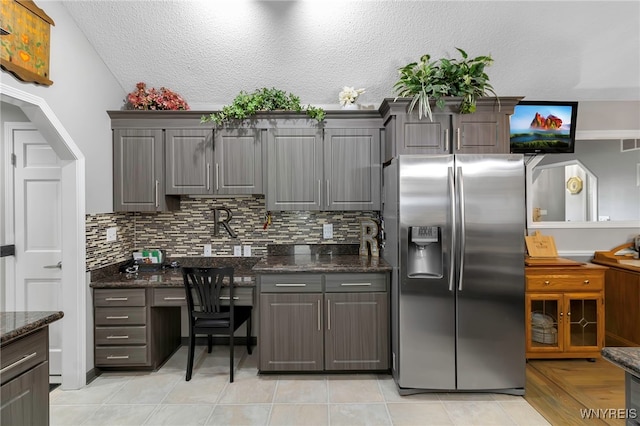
[{"x": 186, "y": 231}]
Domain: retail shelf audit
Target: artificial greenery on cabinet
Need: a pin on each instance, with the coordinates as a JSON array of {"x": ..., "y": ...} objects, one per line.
[{"x": 246, "y": 105}]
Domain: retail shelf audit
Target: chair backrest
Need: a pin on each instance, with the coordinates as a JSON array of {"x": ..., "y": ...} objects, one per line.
[{"x": 203, "y": 287}]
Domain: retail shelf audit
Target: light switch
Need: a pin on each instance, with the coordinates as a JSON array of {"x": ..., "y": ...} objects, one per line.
[
  {"x": 111, "y": 234},
  {"x": 327, "y": 231}
]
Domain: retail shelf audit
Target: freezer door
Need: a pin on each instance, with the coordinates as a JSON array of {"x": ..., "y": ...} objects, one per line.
[
  {"x": 490, "y": 285},
  {"x": 426, "y": 301}
]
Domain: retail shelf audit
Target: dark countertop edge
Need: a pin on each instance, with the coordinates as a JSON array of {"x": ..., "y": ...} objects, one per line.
[
  {"x": 44, "y": 319},
  {"x": 319, "y": 270},
  {"x": 627, "y": 358}
]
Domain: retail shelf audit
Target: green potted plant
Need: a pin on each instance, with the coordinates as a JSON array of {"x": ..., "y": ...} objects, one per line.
[
  {"x": 434, "y": 80},
  {"x": 247, "y": 104}
]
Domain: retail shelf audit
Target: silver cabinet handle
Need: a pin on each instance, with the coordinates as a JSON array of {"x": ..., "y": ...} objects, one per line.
[
  {"x": 117, "y": 337},
  {"x": 118, "y": 299},
  {"x": 290, "y": 285},
  {"x": 227, "y": 298},
  {"x": 217, "y": 176},
  {"x": 175, "y": 298},
  {"x": 319, "y": 326},
  {"x": 118, "y": 357},
  {"x": 320, "y": 192},
  {"x": 18, "y": 362},
  {"x": 327, "y": 197},
  {"x": 458, "y": 137},
  {"x": 355, "y": 284},
  {"x": 446, "y": 140},
  {"x": 328, "y": 314},
  {"x": 56, "y": 266},
  {"x": 157, "y": 202},
  {"x": 208, "y": 176},
  {"x": 119, "y": 317}
]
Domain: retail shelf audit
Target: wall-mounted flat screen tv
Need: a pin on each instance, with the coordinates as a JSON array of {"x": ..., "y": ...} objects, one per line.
[{"x": 543, "y": 127}]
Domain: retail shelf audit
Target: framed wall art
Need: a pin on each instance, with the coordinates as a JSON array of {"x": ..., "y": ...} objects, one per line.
[{"x": 25, "y": 41}]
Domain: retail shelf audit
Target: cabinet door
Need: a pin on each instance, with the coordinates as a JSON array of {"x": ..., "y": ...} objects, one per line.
[
  {"x": 356, "y": 335},
  {"x": 481, "y": 133},
  {"x": 352, "y": 169},
  {"x": 622, "y": 289},
  {"x": 423, "y": 136},
  {"x": 584, "y": 322},
  {"x": 25, "y": 399},
  {"x": 189, "y": 158},
  {"x": 544, "y": 323},
  {"x": 290, "y": 332},
  {"x": 295, "y": 166},
  {"x": 238, "y": 161},
  {"x": 138, "y": 178}
]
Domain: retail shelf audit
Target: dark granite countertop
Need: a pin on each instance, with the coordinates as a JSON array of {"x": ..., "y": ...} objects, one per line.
[
  {"x": 320, "y": 263},
  {"x": 16, "y": 324},
  {"x": 172, "y": 277},
  {"x": 625, "y": 358}
]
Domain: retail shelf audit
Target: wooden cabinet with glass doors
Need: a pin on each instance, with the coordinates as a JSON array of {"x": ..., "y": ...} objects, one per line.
[{"x": 564, "y": 311}]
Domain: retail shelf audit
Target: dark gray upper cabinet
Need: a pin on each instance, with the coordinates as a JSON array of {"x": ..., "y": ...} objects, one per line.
[
  {"x": 238, "y": 157},
  {"x": 189, "y": 160},
  {"x": 138, "y": 171},
  {"x": 335, "y": 169},
  {"x": 295, "y": 169},
  {"x": 352, "y": 169},
  {"x": 486, "y": 131}
]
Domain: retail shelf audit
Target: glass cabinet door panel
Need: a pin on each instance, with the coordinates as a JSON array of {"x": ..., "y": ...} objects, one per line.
[
  {"x": 582, "y": 318},
  {"x": 545, "y": 322}
]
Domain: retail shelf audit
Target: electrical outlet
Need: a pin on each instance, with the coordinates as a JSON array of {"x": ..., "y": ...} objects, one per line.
[
  {"x": 237, "y": 250},
  {"x": 246, "y": 251},
  {"x": 207, "y": 250},
  {"x": 327, "y": 231},
  {"x": 111, "y": 234}
]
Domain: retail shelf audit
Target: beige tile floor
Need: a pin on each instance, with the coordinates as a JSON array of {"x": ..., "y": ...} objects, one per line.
[{"x": 163, "y": 397}]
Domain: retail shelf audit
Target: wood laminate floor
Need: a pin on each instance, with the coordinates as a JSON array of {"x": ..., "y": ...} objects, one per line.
[{"x": 560, "y": 389}]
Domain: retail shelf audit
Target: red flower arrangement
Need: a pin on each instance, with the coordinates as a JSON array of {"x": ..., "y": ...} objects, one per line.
[{"x": 154, "y": 99}]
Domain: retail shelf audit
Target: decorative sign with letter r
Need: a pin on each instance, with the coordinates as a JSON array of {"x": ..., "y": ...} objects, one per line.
[{"x": 368, "y": 240}]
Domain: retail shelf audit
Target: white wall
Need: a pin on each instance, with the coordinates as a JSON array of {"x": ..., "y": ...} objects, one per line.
[{"x": 83, "y": 90}]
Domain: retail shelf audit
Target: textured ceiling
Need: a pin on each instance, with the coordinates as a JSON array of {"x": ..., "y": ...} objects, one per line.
[{"x": 209, "y": 50}]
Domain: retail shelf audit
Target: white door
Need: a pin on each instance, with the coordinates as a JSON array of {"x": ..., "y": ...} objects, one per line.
[{"x": 38, "y": 234}]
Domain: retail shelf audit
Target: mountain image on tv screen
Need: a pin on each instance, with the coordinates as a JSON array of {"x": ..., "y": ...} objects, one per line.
[{"x": 541, "y": 127}]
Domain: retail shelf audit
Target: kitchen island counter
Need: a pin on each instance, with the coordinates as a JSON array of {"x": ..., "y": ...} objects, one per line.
[
  {"x": 17, "y": 324},
  {"x": 627, "y": 358}
]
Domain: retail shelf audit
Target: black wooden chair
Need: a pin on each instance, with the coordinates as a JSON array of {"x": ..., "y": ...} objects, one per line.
[{"x": 209, "y": 313}]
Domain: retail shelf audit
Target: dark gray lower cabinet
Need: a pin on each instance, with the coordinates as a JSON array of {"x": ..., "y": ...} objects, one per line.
[
  {"x": 24, "y": 394},
  {"x": 316, "y": 322},
  {"x": 355, "y": 337},
  {"x": 290, "y": 336}
]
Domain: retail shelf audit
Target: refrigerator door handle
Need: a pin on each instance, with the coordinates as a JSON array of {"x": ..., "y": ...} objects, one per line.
[
  {"x": 452, "y": 198},
  {"x": 460, "y": 188}
]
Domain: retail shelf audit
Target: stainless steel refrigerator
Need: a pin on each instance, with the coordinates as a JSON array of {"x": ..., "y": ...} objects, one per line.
[{"x": 454, "y": 233}]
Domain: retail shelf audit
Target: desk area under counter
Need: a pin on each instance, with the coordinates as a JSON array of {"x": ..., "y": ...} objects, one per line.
[{"x": 138, "y": 317}]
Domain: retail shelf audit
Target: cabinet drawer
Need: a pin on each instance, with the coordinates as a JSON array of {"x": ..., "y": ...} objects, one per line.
[
  {"x": 243, "y": 296},
  {"x": 121, "y": 316},
  {"x": 119, "y": 297},
  {"x": 582, "y": 282},
  {"x": 22, "y": 354},
  {"x": 169, "y": 297},
  {"x": 121, "y": 355},
  {"x": 355, "y": 282},
  {"x": 121, "y": 335},
  {"x": 291, "y": 283}
]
